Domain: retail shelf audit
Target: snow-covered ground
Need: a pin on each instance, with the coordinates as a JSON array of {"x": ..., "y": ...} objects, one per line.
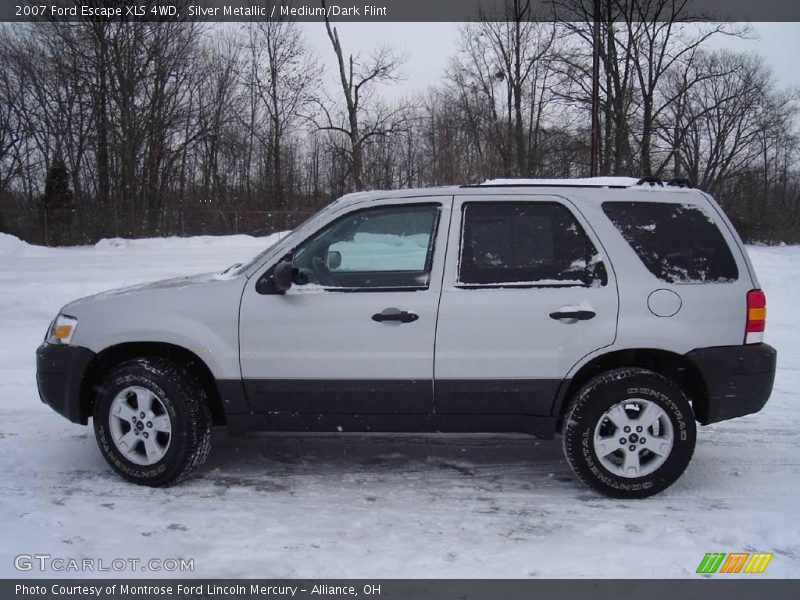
[{"x": 269, "y": 505}]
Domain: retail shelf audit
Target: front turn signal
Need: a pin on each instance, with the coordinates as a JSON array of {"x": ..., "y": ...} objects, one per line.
[{"x": 63, "y": 329}]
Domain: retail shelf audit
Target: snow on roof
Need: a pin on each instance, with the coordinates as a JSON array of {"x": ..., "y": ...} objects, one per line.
[{"x": 578, "y": 181}]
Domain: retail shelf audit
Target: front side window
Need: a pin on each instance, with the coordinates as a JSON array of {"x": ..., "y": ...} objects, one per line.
[
  {"x": 383, "y": 247},
  {"x": 526, "y": 243},
  {"x": 677, "y": 243}
]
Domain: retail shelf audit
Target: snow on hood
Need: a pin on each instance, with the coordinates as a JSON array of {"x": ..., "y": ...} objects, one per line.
[{"x": 174, "y": 283}]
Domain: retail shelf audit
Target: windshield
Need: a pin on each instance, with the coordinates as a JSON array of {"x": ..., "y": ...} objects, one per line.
[
  {"x": 240, "y": 268},
  {"x": 258, "y": 258}
]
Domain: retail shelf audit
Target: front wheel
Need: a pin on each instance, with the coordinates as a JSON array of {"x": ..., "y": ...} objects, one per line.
[
  {"x": 629, "y": 433},
  {"x": 152, "y": 422}
]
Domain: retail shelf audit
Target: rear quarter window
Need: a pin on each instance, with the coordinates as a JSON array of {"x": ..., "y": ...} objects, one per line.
[{"x": 678, "y": 243}]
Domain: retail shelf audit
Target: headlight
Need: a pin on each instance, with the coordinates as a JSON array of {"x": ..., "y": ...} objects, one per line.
[{"x": 62, "y": 330}]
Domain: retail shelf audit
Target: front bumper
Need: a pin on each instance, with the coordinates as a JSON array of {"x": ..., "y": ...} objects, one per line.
[
  {"x": 738, "y": 380},
  {"x": 59, "y": 375}
]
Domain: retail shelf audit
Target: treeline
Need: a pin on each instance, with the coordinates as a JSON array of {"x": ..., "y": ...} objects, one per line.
[{"x": 137, "y": 129}]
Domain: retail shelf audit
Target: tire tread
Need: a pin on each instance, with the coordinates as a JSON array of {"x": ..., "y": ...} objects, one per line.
[
  {"x": 586, "y": 395},
  {"x": 199, "y": 421}
]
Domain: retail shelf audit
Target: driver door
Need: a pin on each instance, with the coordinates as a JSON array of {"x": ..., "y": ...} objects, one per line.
[{"x": 355, "y": 332}]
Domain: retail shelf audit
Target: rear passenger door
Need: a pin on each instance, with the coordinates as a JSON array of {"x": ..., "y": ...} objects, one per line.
[{"x": 527, "y": 292}]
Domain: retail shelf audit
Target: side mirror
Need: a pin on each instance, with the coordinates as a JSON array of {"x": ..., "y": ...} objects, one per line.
[
  {"x": 276, "y": 281},
  {"x": 334, "y": 259},
  {"x": 282, "y": 277}
]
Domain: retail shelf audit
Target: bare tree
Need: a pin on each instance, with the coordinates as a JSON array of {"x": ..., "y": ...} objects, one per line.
[
  {"x": 724, "y": 119},
  {"x": 518, "y": 52},
  {"x": 217, "y": 107},
  {"x": 283, "y": 75},
  {"x": 664, "y": 38},
  {"x": 11, "y": 127},
  {"x": 365, "y": 117},
  {"x": 129, "y": 128},
  {"x": 617, "y": 102}
]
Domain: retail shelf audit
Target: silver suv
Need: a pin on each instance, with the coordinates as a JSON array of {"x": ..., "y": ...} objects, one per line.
[{"x": 613, "y": 311}]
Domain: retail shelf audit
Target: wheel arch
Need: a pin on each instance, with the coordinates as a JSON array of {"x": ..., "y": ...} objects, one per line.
[
  {"x": 675, "y": 367},
  {"x": 112, "y": 356}
]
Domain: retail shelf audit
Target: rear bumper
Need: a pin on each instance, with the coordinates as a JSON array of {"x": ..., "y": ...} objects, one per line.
[
  {"x": 738, "y": 380},
  {"x": 59, "y": 374}
]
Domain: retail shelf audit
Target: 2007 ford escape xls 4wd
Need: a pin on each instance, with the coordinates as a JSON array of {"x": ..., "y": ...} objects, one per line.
[{"x": 613, "y": 311}]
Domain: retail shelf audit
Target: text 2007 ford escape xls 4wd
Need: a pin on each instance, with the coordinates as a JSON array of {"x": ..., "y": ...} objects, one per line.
[{"x": 613, "y": 311}]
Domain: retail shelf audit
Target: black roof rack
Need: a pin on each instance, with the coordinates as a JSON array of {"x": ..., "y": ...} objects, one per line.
[
  {"x": 650, "y": 180},
  {"x": 682, "y": 182}
]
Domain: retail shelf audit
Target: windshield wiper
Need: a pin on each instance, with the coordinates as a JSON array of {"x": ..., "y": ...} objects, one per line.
[{"x": 231, "y": 268}]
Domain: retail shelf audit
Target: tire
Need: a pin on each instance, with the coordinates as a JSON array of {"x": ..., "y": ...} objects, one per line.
[
  {"x": 174, "y": 437},
  {"x": 594, "y": 431}
]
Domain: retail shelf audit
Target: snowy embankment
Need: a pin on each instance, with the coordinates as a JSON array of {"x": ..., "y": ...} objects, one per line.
[{"x": 268, "y": 505}]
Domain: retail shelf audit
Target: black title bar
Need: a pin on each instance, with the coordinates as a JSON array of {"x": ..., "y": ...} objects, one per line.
[
  {"x": 390, "y": 10},
  {"x": 398, "y": 589}
]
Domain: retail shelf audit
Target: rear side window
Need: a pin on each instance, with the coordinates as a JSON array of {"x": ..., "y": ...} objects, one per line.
[
  {"x": 533, "y": 243},
  {"x": 678, "y": 243}
]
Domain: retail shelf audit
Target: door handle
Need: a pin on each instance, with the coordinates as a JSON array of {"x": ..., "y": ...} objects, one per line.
[
  {"x": 573, "y": 315},
  {"x": 395, "y": 314}
]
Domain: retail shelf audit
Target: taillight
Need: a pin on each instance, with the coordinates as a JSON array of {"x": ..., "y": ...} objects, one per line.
[{"x": 756, "y": 317}]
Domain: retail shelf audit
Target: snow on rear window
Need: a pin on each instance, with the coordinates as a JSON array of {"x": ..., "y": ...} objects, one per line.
[{"x": 678, "y": 243}]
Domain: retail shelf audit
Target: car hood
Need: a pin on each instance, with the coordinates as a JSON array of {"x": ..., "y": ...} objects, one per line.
[{"x": 156, "y": 288}]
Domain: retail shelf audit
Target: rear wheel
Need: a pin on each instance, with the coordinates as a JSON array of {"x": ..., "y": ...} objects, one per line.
[
  {"x": 629, "y": 433},
  {"x": 152, "y": 422}
]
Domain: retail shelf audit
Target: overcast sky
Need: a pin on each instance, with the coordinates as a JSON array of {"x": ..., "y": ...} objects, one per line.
[{"x": 429, "y": 45}]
